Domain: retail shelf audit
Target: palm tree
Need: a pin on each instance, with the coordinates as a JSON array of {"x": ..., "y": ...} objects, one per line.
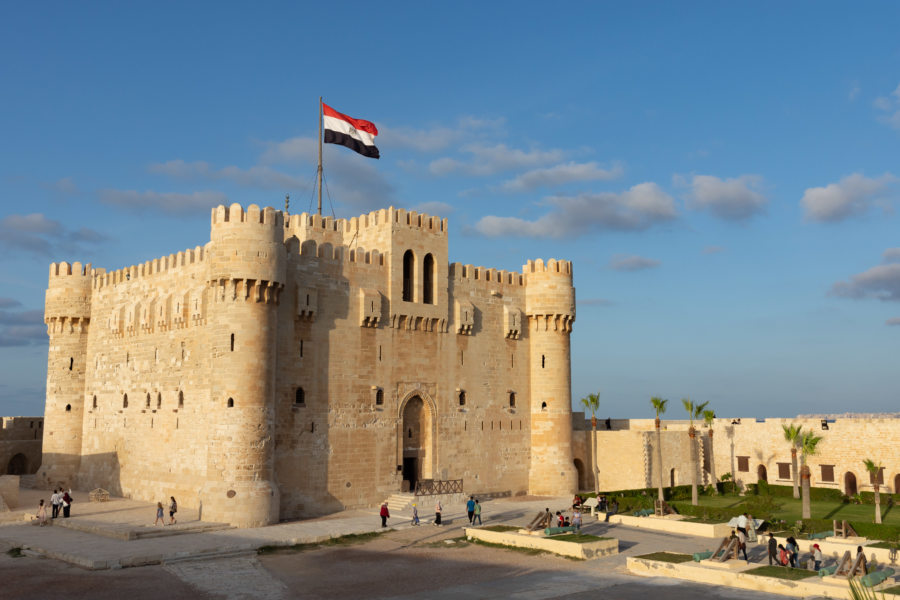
[
  {"x": 808, "y": 444},
  {"x": 592, "y": 402},
  {"x": 792, "y": 436},
  {"x": 659, "y": 405},
  {"x": 709, "y": 417},
  {"x": 874, "y": 470},
  {"x": 694, "y": 411}
]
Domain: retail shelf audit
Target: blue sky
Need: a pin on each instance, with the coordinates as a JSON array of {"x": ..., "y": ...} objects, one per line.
[{"x": 725, "y": 176}]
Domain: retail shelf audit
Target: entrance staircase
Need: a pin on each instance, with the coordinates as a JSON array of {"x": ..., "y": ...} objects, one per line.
[{"x": 400, "y": 502}]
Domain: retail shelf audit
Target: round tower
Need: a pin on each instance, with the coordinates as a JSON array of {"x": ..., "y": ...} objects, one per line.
[
  {"x": 67, "y": 313},
  {"x": 550, "y": 308},
  {"x": 247, "y": 261}
]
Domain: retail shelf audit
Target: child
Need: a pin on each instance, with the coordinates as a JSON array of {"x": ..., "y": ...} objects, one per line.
[
  {"x": 783, "y": 556},
  {"x": 42, "y": 513},
  {"x": 415, "y": 519},
  {"x": 160, "y": 518}
]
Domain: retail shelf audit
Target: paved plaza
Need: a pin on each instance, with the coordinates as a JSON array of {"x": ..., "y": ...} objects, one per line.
[{"x": 406, "y": 562}]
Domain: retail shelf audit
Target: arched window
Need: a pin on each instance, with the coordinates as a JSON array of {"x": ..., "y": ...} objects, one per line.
[
  {"x": 180, "y": 399},
  {"x": 68, "y": 408},
  {"x": 300, "y": 397},
  {"x": 512, "y": 399},
  {"x": 409, "y": 265},
  {"x": 124, "y": 400},
  {"x": 95, "y": 402},
  {"x": 544, "y": 406},
  {"x": 231, "y": 403},
  {"x": 462, "y": 397},
  {"x": 147, "y": 405},
  {"x": 158, "y": 400},
  {"x": 379, "y": 397},
  {"x": 543, "y": 361},
  {"x": 428, "y": 280}
]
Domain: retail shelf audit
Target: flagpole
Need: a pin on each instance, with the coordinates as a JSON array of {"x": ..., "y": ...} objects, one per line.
[{"x": 319, "y": 172}]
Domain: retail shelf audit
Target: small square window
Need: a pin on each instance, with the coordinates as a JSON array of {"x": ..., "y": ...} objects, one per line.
[
  {"x": 784, "y": 470},
  {"x": 743, "y": 464},
  {"x": 827, "y": 473}
]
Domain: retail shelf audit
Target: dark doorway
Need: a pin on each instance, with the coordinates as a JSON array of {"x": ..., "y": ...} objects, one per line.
[
  {"x": 897, "y": 484},
  {"x": 582, "y": 479},
  {"x": 411, "y": 471},
  {"x": 849, "y": 484},
  {"x": 672, "y": 478},
  {"x": 18, "y": 465},
  {"x": 762, "y": 474}
]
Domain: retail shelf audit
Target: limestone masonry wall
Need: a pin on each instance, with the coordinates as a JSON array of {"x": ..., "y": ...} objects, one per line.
[{"x": 295, "y": 366}]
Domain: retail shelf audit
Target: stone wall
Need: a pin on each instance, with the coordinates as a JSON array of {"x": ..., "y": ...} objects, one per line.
[{"x": 20, "y": 444}]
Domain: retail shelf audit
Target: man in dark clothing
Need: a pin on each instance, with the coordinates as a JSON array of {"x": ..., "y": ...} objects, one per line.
[{"x": 773, "y": 549}]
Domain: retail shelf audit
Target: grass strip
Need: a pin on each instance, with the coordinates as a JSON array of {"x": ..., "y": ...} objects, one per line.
[
  {"x": 529, "y": 551},
  {"x": 781, "y": 573},
  {"x": 578, "y": 538},
  {"x": 344, "y": 540},
  {"x": 502, "y": 528},
  {"x": 669, "y": 557}
]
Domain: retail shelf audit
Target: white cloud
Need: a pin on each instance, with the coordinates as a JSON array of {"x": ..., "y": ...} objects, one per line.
[
  {"x": 561, "y": 174},
  {"x": 632, "y": 262},
  {"x": 65, "y": 186},
  {"x": 893, "y": 321},
  {"x": 263, "y": 177},
  {"x": 854, "y": 91},
  {"x": 853, "y": 195},
  {"x": 635, "y": 209},
  {"x": 881, "y": 282},
  {"x": 487, "y": 160},
  {"x": 890, "y": 107},
  {"x": 169, "y": 202},
  {"x": 35, "y": 233},
  {"x": 891, "y": 255},
  {"x": 733, "y": 199},
  {"x": 713, "y": 250}
]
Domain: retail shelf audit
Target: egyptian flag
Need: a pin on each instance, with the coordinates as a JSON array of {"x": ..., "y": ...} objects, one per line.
[{"x": 356, "y": 134}]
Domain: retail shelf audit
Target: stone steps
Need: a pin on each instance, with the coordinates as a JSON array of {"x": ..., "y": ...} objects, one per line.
[
  {"x": 127, "y": 532},
  {"x": 400, "y": 502}
]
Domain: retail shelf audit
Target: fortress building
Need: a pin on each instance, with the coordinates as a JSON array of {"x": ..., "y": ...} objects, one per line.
[{"x": 298, "y": 365}]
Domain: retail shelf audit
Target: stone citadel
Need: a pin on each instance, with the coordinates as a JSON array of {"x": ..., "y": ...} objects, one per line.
[{"x": 297, "y": 365}]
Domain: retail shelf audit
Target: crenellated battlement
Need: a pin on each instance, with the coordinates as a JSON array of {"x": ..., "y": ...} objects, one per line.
[
  {"x": 235, "y": 214},
  {"x": 490, "y": 277},
  {"x": 64, "y": 269},
  {"x": 552, "y": 266},
  {"x": 150, "y": 268},
  {"x": 355, "y": 255},
  {"x": 375, "y": 219}
]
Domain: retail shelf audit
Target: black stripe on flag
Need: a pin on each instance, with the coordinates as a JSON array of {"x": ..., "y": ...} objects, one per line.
[{"x": 335, "y": 137}]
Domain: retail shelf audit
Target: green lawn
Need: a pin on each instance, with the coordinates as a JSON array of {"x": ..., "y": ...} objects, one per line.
[
  {"x": 790, "y": 509},
  {"x": 671, "y": 557},
  {"x": 781, "y": 573}
]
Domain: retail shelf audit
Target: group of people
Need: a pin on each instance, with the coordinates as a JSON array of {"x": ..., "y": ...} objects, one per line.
[
  {"x": 160, "y": 515},
  {"x": 473, "y": 511},
  {"x": 60, "y": 502}
]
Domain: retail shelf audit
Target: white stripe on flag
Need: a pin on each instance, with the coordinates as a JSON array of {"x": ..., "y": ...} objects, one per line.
[{"x": 342, "y": 126}]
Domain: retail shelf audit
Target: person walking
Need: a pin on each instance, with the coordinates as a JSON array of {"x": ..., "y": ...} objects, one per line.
[
  {"x": 792, "y": 549},
  {"x": 783, "y": 556},
  {"x": 67, "y": 504},
  {"x": 173, "y": 508},
  {"x": 742, "y": 542},
  {"x": 576, "y": 520},
  {"x": 477, "y": 514},
  {"x": 437, "y": 513},
  {"x": 384, "y": 514},
  {"x": 415, "y": 519},
  {"x": 160, "y": 517},
  {"x": 54, "y": 501},
  {"x": 41, "y": 513},
  {"x": 773, "y": 549},
  {"x": 817, "y": 557},
  {"x": 470, "y": 509}
]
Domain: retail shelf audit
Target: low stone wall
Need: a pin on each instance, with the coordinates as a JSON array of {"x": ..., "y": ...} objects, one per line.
[
  {"x": 573, "y": 549},
  {"x": 731, "y": 574},
  {"x": 668, "y": 525},
  {"x": 9, "y": 490}
]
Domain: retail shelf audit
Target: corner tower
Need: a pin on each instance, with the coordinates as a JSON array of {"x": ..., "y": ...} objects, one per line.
[
  {"x": 247, "y": 261},
  {"x": 67, "y": 313},
  {"x": 550, "y": 309}
]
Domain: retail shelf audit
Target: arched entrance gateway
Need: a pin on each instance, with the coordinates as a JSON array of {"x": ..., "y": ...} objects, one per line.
[
  {"x": 18, "y": 465},
  {"x": 416, "y": 441},
  {"x": 582, "y": 480},
  {"x": 762, "y": 474},
  {"x": 849, "y": 484}
]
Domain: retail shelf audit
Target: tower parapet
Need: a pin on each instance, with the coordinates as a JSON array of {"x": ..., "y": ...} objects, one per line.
[
  {"x": 550, "y": 309},
  {"x": 67, "y": 313},
  {"x": 247, "y": 273}
]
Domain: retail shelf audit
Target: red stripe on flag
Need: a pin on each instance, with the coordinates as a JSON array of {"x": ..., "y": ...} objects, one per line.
[{"x": 360, "y": 124}]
